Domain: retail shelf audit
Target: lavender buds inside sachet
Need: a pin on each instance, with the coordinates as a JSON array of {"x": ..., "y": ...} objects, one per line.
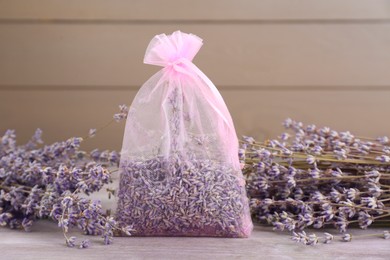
[
  {"x": 179, "y": 171},
  {"x": 175, "y": 197}
]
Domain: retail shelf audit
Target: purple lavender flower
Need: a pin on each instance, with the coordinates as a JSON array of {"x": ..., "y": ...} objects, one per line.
[
  {"x": 264, "y": 154},
  {"x": 291, "y": 183},
  {"x": 261, "y": 166},
  {"x": 298, "y": 193},
  {"x": 274, "y": 171},
  {"x": 346, "y": 137},
  {"x": 335, "y": 195},
  {"x": 8, "y": 139},
  {"x": 352, "y": 193},
  {"x": 27, "y": 224},
  {"x": 128, "y": 230},
  {"x": 95, "y": 154},
  {"x": 370, "y": 202},
  {"x": 364, "y": 219},
  {"x": 386, "y": 150},
  {"x": 333, "y": 134},
  {"x": 311, "y": 128},
  {"x": 124, "y": 110},
  {"x": 348, "y": 210},
  {"x": 288, "y": 123},
  {"x": 328, "y": 211},
  {"x": 383, "y": 140},
  {"x": 374, "y": 190},
  {"x": 92, "y": 132},
  {"x": 383, "y": 158},
  {"x": 284, "y": 136},
  {"x": 347, "y": 238},
  {"x": 305, "y": 220},
  {"x": 317, "y": 150},
  {"x": 314, "y": 173},
  {"x": 248, "y": 139},
  {"x": 71, "y": 242},
  {"x": 312, "y": 239},
  {"x": 318, "y": 196},
  {"x": 85, "y": 243},
  {"x": 324, "y": 131},
  {"x": 279, "y": 226},
  {"x": 337, "y": 173},
  {"x": 310, "y": 159},
  {"x": 104, "y": 155},
  {"x": 341, "y": 154},
  {"x": 5, "y": 218},
  {"x": 241, "y": 154},
  {"x": 341, "y": 224},
  {"x": 328, "y": 238},
  {"x": 114, "y": 157},
  {"x": 261, "y": 183}
]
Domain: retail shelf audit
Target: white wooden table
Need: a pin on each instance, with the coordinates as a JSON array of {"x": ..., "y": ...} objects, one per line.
[{"x": 46, "y": 242}]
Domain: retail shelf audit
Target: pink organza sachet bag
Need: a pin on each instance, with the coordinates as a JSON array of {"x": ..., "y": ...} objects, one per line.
[{"x": 179, "y": 171}]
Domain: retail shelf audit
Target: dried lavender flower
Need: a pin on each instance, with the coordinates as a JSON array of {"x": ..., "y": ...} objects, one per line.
[
  {"x": 71, "y": 242},
  {"x": 92, "y": 132},
  {"x": 328, "y": 238},
  {"x": 85, "y": 244},
  {"x": 347, "y": 238},
  {"x": 312, "y": 239},
  {"x": 124, "y": 110}
]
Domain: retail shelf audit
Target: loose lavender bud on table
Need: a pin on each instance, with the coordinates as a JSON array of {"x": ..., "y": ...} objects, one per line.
[
  {"x": 85, "y": 244},
  {"x": 347, "y": 238},
  {"x": 328, "y": 238},
  {"x": 71, "y": 242}
]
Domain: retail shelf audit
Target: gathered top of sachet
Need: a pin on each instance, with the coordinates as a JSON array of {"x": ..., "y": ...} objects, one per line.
[{"x": 166, "y": 50}]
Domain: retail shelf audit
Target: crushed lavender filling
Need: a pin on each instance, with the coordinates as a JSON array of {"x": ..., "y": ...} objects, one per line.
[{"x": 177, "y": 197}]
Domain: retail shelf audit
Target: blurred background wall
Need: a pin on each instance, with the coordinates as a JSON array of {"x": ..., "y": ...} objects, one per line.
[{"x": 66, "y": 65}]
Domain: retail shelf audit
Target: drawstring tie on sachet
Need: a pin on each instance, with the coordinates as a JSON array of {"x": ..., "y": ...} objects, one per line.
[{"x": 175, "y": 52}]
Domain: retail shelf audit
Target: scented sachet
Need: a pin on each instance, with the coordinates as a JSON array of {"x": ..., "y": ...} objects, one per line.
[{"x": 179, "y": 171}]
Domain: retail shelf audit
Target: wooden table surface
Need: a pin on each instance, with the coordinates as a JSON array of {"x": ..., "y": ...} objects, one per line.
[{"x": 46, "y": 242}]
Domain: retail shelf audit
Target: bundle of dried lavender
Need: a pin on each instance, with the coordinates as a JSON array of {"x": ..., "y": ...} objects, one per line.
[
  {"x": 318, "y": 177},
  {"x": 45, "y": 181}
]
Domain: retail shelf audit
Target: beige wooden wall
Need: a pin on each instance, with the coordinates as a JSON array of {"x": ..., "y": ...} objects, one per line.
[{"x": 66, "y": 65}]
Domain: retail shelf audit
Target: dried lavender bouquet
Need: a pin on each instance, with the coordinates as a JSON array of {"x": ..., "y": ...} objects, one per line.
[
  {"x": 39, "y": 181},
  {"x": 318, "y": 177}
]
